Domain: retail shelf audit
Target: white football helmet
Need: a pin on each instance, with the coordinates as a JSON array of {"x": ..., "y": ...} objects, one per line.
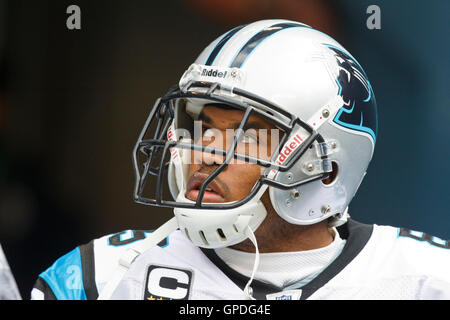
[{"x": 295, "y": 77}]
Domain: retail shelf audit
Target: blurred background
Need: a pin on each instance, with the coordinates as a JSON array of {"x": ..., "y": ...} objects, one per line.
[{"x": 72, "y": 103}]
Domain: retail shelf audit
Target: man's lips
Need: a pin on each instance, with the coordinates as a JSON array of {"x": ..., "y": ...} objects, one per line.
[{"x": 213, "y": 192}]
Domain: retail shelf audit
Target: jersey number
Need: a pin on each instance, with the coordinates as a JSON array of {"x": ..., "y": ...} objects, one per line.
[
  {"x": 420, "y": 236},
  {"x": 130, "y": 236}
]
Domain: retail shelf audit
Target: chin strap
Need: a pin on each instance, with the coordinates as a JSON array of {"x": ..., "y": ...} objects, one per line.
[
  {"x": 339, "y": 219},
  {"x": 248, "y": 290},
  {"x": 130, "y": 255}
]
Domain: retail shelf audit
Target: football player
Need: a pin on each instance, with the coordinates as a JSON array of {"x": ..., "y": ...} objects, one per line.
[{"x": 259, "y": 150}]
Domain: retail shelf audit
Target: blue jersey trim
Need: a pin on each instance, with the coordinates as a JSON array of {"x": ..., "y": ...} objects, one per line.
[{"x": 65, "y": 277}]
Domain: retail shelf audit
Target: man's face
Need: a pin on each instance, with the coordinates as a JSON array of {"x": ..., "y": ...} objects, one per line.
[{"x": 238, "y": 178}]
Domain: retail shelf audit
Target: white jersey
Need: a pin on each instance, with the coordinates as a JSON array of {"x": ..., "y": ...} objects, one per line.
[{"x": 377, "y": 262}]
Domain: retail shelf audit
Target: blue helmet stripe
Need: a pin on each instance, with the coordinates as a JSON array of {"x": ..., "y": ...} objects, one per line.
[
  {"x": 257, "y": 39},
  {"x": 220, "y": 44}
]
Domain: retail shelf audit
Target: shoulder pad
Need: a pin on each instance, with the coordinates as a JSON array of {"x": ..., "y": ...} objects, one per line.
[
  {"x": 78, "y": 274},
  {"x": 69, "y": 278}
]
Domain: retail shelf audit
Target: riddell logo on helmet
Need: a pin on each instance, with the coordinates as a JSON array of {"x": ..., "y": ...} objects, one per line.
[
  {"x": 214, "y": 73},
  {"x": 170, "y": 137},
  {"x": 289, "y": 148}
]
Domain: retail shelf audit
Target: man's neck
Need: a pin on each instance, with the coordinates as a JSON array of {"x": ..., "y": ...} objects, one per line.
[
  {"x": 294, "y": 238},
  {"x": 277, "y": 235}
]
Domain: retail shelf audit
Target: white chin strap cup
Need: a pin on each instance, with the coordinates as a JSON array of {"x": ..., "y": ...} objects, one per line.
[{"x": 217, "y": 228}]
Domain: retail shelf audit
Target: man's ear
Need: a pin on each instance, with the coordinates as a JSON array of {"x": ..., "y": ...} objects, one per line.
[{"x": 332, "y": 175}]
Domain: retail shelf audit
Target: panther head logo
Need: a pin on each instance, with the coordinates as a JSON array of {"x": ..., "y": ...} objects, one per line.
[{"x": 360, "y": 110}]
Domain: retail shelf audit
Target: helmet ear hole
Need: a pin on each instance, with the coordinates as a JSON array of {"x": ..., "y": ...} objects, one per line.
[{"x": 333, "y": 174}]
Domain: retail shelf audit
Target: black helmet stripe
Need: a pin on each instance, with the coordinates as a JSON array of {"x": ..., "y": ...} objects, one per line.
[
  {"x": 221, "y": 43},
  {"x": 251, "y": 44}
]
